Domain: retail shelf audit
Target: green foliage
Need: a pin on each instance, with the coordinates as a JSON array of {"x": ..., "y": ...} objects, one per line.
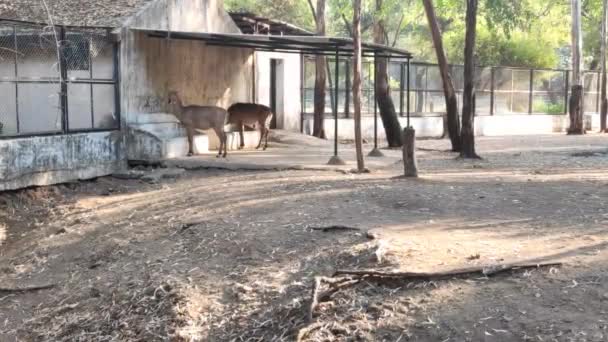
[
  {"x": 518, "y": 50},
  {"x": 526, "y": 33},
  {"x": 548, "y": 108}
]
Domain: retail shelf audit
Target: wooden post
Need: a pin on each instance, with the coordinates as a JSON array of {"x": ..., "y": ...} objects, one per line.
[{"x": 410, "y": 165}]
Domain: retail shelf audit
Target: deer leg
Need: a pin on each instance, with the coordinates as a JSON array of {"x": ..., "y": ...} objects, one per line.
[
  {"x": 262, "y": 130},
  {"x": 266, "y": 138},
  {"x": 219, "y": 132},
  {"x": 242, "y": 135},
  {"x": 225, "y": 136},
  {"x": 190, "y": 132}
]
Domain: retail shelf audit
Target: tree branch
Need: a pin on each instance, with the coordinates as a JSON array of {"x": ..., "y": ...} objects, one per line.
[
  {"x": 398, "y": 30},
  {"x": 312, "y": 10},
  {"x": 347, "y": 26}
]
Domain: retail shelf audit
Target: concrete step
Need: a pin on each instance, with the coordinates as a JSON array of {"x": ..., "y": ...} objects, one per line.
[
  {"x": 164, "y": 130},
  {"x": 178, "y": 146},
  {"x": 147, "y": 118}
]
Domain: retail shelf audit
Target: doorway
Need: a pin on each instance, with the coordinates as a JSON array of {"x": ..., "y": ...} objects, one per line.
[{"x": 276, "y": 91}]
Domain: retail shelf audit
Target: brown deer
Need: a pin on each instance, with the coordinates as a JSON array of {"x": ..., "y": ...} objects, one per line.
[
  {"x": 199, "y": 118},
  {"x": 251, "y": 115}
]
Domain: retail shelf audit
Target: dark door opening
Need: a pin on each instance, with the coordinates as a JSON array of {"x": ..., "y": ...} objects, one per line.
[{"x": 273, "y": 92}]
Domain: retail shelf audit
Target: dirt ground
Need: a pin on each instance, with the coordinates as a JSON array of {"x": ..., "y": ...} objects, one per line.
[{"x": 232, "y": 256}]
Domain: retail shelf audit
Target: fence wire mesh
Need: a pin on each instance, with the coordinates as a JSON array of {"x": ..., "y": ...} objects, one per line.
[
  {"x": 56, "y": 80},
  {"x": 499, "y": 90}
]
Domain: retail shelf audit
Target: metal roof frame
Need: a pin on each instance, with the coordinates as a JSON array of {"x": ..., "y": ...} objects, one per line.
[{"x": 312, "y": 45}]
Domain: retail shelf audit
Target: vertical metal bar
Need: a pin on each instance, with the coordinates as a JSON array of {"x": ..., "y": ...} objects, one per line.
[
  {"x": 401, "y": 87},
  {"x": 531, "y": 94},
  {"x": 90, "y": 79},
  {"x": 63, "y": 83},
  {"x": 347, "y": 90},
  {"x": 117, "y": 108},
  {"x": 492, "y": 89},
  {"x": 408, "y": 92},
  {"x": 16, "y": 77},
  {"x": 375, "y": 105},
  {"x": 566, "y": 107},
  {"x": 337, "y": 72},
  {"x": 597, "y": 95},
  {"x": 302, "y": 91}
]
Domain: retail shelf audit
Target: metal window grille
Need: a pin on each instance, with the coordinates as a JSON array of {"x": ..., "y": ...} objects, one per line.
[{"x": 57, "y": 80}]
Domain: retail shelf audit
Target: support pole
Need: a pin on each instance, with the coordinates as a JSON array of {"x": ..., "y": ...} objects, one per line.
[
  {"x": 375, "y": 152},
  {"x": 336, "y": 160},
  {"x": 408, "y": 93}
]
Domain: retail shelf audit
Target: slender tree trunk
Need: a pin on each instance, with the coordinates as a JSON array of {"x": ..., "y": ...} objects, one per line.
[
  {"x": 576, "y": 100},
  {"x": 390, "y": 121},
  {"x": 468, "y": 97},
  {"x": 357, "y": 83},
  {"x": 448, "y": 86},
  {"x": 320, "y": 77},
  {"x": 603, "y": 96}
]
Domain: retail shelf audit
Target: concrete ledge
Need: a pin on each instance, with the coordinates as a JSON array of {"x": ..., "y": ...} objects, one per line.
[
  {"x": 39, "y": 161},
  {"x": 485, "y": 125}
]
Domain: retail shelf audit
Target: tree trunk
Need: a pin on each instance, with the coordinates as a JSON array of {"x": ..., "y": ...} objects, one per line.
[
  {"x": 603, "y": 96},
  {"x": 576, "y": 100},
  {"x": 468, "y": 96},
  {"x": 390, "y": 121},
  {"x": 357, "y": 83},
  {"x": 320, "y": 77},
  {"x": 448, "y": 86}
]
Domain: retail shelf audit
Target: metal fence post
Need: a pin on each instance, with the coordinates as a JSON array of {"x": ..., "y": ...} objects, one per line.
[
  {"x": 63, "y": 80},
  {"x": 347, "y": 90},
  {"x": 16, "y": 77},
  {"x": 566, "y": 106},
  {"x": 531, "y": 95},
  {"x": 401, "y": 87},
  {"x": 408, "y": 92},
  {"x": 492, "y": 81},
  {"x": 597, "y": 95}
]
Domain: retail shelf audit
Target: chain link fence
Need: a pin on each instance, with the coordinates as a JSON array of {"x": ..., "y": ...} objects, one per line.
[
  {"x": 56, "y": 80},
  {"x": 499, "y": 90}
]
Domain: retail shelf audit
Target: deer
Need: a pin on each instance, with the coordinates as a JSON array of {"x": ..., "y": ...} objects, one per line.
[
  {"x": 199, "y": 118},
  {"x": 251, "y": 115}
]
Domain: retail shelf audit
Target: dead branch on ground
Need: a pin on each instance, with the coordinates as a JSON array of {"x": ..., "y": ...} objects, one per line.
[
  {"x": 487, "y": 271},
  {"x": 334, "y": 228},
  {"x": 25, "y": 289}
]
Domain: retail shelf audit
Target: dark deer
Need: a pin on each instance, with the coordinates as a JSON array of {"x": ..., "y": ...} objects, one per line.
[
  {"x": 251, "y": 115},
  {"x": 199, "y": 118}
]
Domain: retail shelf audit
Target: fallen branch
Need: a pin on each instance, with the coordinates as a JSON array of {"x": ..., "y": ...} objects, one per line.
[
  {"x": 335, "y": 284},
  {"x": 333, "y": 228},
  {"x": 487, "y": 271},
  {"x": 25, "y": 289}
]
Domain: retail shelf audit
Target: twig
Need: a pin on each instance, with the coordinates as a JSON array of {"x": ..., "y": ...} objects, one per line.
[
  {"x": 335, "y": 284},
  {"x": 25, "y": 289},
  {"x": 334, "y": 227},
  {"x": 488, "y": 271},
  {"x": 307, "y": 330}
]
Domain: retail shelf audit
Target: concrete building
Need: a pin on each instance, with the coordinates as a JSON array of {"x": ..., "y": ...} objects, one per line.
[{"x": 104, "y": 102}]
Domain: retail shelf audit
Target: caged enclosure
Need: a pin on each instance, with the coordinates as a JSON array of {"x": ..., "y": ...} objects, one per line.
[{"x": 56, "y": 80}]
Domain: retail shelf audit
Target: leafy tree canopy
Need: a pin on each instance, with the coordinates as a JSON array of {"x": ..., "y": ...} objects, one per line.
[{"x": 525, "y": 33}]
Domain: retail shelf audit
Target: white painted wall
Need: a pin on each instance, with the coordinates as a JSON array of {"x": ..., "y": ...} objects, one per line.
[
  {"x": 432, "y": 126},
  {"x": 288, "y": 98}
]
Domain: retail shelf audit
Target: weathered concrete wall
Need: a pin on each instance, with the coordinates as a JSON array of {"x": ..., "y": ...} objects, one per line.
[
  {"x": 201, "y": 74},
  {"x": 56, "y": 159},
  {"x": 288, "y": 84}
]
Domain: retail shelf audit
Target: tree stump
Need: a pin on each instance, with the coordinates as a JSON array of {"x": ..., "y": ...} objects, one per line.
[{"x": 410, "y": 164}]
